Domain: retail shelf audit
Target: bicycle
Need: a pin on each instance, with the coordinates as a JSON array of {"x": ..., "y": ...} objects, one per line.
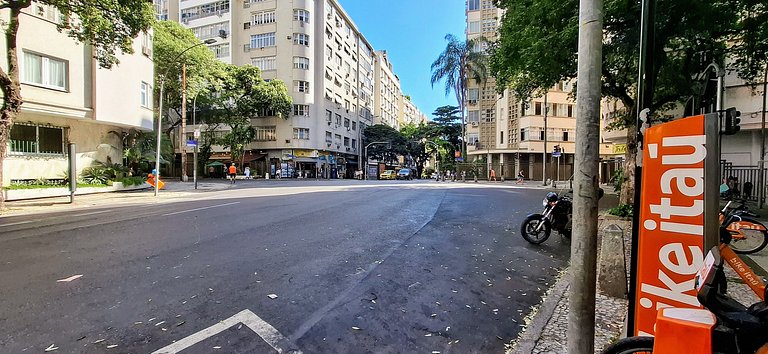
[
  {"x": 724, "y": 326},
  {"x": 749, "y": 235}
]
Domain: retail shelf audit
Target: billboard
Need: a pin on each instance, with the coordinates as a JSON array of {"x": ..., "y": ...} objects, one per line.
[{"x": 670, "y": 237}]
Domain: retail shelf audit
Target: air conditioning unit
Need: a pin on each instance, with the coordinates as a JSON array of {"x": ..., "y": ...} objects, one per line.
[
  {"x": 246, "y": 4},
  {"x": 246, "y": 25},
  {"x": 329, "y": 122},
  {"x": 474, "y": 124},
  {"x": 348, "y": 128},
  {"x": 185, "y": 20},
  {"x": 473, "y": 102},
  {"x": 329, "y": 15},
  {"x": 218, "y": 13},
  {"x": 347, "y": 148}
]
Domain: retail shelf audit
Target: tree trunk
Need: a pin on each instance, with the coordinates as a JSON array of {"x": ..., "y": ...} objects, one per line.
[
  {"x": 627, "y": 193},
  {"x": 9, "y": 83}
]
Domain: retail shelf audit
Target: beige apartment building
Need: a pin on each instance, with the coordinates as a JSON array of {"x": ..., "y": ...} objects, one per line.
[
  {"x": 338, "y": 83},
  {"x": 68, "y": 98},
  {"x": 510, "y": 134}
]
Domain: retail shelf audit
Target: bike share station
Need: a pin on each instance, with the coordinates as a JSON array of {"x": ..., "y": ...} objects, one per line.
[{"x": 676, "y": 226}]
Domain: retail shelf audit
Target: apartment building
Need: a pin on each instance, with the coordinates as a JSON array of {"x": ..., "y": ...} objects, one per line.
[
  {"x": 338, "y": 83},
  {"x": 508, "y": 133},
  {"x": 68, "y": 98},
  {"x": 409, "y": 113}
]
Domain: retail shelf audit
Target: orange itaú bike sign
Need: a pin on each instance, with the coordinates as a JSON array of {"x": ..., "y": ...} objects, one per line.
[{"x": 670, "y": 241}]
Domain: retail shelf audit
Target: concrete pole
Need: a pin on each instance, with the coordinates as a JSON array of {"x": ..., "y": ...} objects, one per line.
[
  {"x": 544, "y": 153},
  {"x": 157, "y": 150},
  {"x": 183, "y": 131},
  {"x": 581, "y": 316},
  {"x": 761, "y": 184}
]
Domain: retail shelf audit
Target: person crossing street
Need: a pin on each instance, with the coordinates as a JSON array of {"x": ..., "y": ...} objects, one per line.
[{"x": 232, "y": 172}]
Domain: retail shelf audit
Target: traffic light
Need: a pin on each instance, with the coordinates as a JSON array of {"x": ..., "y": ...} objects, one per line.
[
  {"x": 732, "y": 122},
  {"x": 556, "y": 149}
]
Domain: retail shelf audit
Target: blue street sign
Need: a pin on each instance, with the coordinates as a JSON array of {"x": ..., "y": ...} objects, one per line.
[
  {"x": 556, "y": 154},
  {"x": 191, "y": 143}
]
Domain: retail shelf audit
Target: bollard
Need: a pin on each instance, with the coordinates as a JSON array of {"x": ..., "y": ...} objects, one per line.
[{"x": 612, "y": 273}]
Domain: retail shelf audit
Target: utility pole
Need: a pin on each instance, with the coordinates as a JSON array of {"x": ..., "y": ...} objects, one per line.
[
  {"x": 761, "y": 189},
  {"x": 581, "y": 316},
  {"x": 183, "y": 131},
  {"x": 544, "y": 154}
]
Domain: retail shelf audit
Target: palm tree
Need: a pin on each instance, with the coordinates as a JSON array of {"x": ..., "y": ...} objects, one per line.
[{"x": 459, "y": 63}]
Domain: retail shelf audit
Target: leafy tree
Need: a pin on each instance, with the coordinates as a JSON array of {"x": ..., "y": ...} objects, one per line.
[
  {"x": 109, "y": 26},
  {"x": 203, "y": 71},
  {"x": 380, "y": 133},
  {"x": 240, "y": 135},
  {"x": 533, "y": 55},
  {"x": 457, "y": 65}
]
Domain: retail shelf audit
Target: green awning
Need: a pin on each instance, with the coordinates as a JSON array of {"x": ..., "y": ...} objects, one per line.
[{"x": 214, "y": 164}]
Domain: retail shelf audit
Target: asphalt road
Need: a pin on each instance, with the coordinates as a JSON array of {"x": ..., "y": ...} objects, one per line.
[{"x": 362, "y": 267}]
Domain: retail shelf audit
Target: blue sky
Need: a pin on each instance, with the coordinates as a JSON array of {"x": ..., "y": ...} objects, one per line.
[{"x": 411, "y": 31}]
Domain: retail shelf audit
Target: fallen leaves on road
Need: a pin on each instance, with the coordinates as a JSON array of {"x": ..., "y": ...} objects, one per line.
[
  {"x": 98, "y": 341},
  {"x": 51, "y": 348},
  {"x": 272, "y": 296},
  {"x": 356, "y": 328},
  {"x": 66, "y": 280},
  {"x": 112, "y": 346}
]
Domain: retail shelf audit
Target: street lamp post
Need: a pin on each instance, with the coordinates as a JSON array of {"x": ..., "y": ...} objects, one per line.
[
  {"x": 366, "y": 155},
  {"x": 160, "y": 113}
]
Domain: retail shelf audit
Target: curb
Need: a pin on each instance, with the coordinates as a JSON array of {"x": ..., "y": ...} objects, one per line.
[{"x": 541, "y": 315}]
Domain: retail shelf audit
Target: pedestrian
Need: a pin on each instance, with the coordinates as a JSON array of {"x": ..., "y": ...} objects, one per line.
[
  {"x": 211, "y": 171},
  {"x": 493, "y": 175},
  {"x": 247, "y": 172},
  {"x": 279, "y": 173},
  {"x": 520, "y": 177},
  {"x": 232, "y": 172}
]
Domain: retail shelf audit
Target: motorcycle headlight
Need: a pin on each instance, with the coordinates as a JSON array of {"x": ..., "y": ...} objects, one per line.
[{"x": 544, "y": 202}]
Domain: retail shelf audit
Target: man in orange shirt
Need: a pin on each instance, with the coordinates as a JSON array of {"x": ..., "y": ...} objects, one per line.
[{"x": 232, "y": 172}]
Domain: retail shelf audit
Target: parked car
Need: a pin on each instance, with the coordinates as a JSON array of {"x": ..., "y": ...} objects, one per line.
[
  {"x": 405, "y": 173},
  {"x": 387, "y": 174}
]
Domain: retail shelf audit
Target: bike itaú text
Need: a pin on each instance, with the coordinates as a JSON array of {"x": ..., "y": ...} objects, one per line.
[{"x": 723, "y": 326}]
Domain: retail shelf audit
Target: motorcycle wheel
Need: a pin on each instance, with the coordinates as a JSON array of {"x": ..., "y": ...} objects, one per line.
[
  {"x": 528, "y": 230},
  {"x": 631, "y": 345}
]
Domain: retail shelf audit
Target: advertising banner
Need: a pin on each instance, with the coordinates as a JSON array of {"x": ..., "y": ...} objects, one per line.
[{"x": 671, "y": 221}]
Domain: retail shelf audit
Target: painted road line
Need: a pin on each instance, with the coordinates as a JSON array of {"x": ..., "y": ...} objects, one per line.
[
  {"x": 268, "y": 333},
  {"x": 91, "y": 213},
  {"x": 203, "y": 208},
  {"x": 17, "y": 223},
  {"x": 66, "y": 280}
]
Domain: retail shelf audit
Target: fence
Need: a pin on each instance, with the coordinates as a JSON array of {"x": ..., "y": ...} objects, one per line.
[{"x": 747, "y": 179}]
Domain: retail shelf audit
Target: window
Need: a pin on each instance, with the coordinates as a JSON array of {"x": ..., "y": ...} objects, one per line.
[
  {"x": 328, "y": 137},
  {"x": 210, "y": 31},
  {"x": 338, "y": 120},
  {"x": 473, "y": 138},
  {"x": 44, "y": 71},
  {"x": 265, "y": 133},
  {"x": 328, "y": 52},
  {"x": 261, "y": 18},
  {"x": 146, "y": 44},
  {"x": 301, "y": 86},
  {"x": 346, "y": 122},
  {"x": 301, "y": 39},
  {"x": 554, "y": 110},
  {"x": 301, "y": 133},
  {"x": 565, "y": 135},
  {"x": 473, "y": 94},
  {"x": 145, "y": 94},
  {"x": 523, "y": 134},
  {"x": 338, "y": 61},
  {"x": 337, "y": 139},
  {"x": 301, "y": 110},
  {"x": 328, "y": 116},
  {"x": 221, "y": 50},
  {"x": 473, "y": 116},
  {"x": 501, "y": 137},
  {"x": 346, "y": 141},
  {"x": 474, "y": 27},
  {"x": 354, "y": 144},
  {"x": 265, "y": 63},
  {"x": 262, "y": 40},
  {"x": 211, "y": 9},
  {"x": 570, "y": 110},
  {"x": 541, "y": 134},
  {"x": 301, "y": 63},
  {"x": 537, "y": 108},
  {"x": 473, "y": 5},
  {"x": 301, "y": 15},
  {"x": 35, "y": 139},
  {"x": 354, "y": 125}
]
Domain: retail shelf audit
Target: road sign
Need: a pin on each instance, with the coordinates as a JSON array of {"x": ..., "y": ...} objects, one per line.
[
  {"x": 556, "y": 154},
  {"x": 191, "y": 143},
  {"x": 460, "y": 159}
]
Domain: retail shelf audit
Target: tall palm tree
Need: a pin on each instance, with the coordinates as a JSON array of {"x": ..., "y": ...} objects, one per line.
[{"x": 459, "y": 63}]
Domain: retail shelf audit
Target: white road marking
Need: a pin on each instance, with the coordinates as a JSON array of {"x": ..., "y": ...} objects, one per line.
[
  {"x": 91, "y": 213},
  {"x": 67, "y": 280},
  {"x": 203, "y": 208},
  {"x": 268, "y": 333},
  {"x": 17, "y": 223}
]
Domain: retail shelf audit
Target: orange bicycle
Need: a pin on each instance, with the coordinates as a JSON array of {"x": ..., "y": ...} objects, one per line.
[{"x": 748, "y": 234}]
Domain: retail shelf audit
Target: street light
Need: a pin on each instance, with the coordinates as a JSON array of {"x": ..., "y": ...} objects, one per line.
[
  {"x": 366, "y": 155},
  {"x": 160, "y": 113}
]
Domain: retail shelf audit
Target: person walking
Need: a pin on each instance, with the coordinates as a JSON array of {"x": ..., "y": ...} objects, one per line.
[
  {"x": 247, "y": 172},
  {"x": 493, "y": 175},
  {"x": 520, "y": 177},
  {"x": 232, "y": 172}
]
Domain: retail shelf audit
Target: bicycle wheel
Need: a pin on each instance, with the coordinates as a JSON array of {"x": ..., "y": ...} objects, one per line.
[
  {"x": 749, "y": 236},
  {"x": 631, "y": 345}
]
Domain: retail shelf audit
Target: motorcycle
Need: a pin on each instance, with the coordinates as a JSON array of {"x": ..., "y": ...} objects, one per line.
[{"x": 557, "y": 214}]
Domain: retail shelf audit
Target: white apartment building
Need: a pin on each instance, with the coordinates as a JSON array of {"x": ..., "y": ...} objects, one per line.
[
  {"x": 68, "y": 98},
  {"x": 509, "y": 133},
  {"x": 338, "y": 84},
  {"x": 409, "y": 113},
  {"x": 388, "y": 94}
]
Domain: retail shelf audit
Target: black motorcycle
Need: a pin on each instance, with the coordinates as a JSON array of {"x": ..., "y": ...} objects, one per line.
[
  {"x": 557, "y": 215},
  {"x": 558, "y": 211}
]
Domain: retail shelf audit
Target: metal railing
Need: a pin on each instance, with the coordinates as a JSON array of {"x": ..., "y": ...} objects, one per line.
[{"x": 747, "y": 179}]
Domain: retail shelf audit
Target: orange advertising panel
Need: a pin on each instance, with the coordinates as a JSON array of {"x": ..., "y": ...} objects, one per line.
[{"x": 671, "y": 224}]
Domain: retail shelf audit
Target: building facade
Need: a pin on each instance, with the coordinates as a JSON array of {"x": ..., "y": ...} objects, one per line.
[
  {"x": 68, "y": 98},
  {"x": 338, "y": 83},
  {"x": 510, "y": 134}
]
